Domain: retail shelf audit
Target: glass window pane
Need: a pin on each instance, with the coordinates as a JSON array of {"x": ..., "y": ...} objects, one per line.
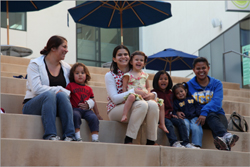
[
  {"x": 95, "y": 45},
  {"x": 17, "y": 21}
]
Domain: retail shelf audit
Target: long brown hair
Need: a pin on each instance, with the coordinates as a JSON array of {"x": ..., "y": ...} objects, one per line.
[{"x": 114, "y": 66}]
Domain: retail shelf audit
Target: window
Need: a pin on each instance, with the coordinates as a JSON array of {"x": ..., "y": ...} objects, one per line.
[
  {"x": 95, "y": 45},
  {"x": 17, "y": 21}
]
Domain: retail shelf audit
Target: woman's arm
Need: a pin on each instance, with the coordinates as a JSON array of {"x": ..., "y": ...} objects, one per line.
[
  {"x": 35, "y": 83},
  {"x": 112, "y": 89}
]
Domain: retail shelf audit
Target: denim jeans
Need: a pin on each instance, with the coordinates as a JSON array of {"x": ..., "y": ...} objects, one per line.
[
  {"x": 217, "y": 123},
  {"x": 180, "y": 125},
  {"x": 49, "y": 105},
  {"x": 196, "y": 130},
  {"x": 89, "y": 116}
]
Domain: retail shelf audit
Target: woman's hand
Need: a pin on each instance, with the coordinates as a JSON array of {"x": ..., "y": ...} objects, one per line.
[
  {"x": 149, "y": 96},
  {"x": 201, "y": 120},
  {"x": 84, "y": 106},
  {"x": 140, "y": 92},
  {"x": 59, "y": 91},
  {"x": 180, "y": 115}
]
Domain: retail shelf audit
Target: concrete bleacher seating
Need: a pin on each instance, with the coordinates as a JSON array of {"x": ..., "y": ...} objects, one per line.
[{"x": 22, "y": 144}]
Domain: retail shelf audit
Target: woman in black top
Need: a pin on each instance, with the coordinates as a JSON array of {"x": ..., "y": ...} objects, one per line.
[{"x": 46, "y": 94}]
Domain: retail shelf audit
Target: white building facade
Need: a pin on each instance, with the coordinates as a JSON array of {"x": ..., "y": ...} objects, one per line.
[{"x": 189, "y": 30}]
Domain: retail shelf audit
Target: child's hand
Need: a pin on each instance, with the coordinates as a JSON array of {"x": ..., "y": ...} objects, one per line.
[
  {"x": 175, "y": 116},
  {"x": 99, "y": 117},
  {"x": 84, "y": 106},
  {"x": 180, "y": 115}
]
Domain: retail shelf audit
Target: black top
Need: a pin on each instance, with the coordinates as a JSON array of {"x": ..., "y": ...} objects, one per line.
[{"x": 58, "y": 80}]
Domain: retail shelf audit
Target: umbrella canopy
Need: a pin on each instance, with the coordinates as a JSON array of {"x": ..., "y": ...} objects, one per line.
[
  {"x": 23, "y": 6},
  {"x": 120, "y": 14},
  {"x": 170, "y": 59}
]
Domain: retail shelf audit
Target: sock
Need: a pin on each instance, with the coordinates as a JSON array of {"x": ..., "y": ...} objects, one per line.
[
  {"x": 77, "y": 135},
  {"x": 95, "y": 137},
  {"x": 128, "y": 140},
  {"x": 150, "y": 142}
]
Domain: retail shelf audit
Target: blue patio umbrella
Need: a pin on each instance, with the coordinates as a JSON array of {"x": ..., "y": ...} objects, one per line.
[
  {"x": 120, "y": 14},
  {"x": 23, "y": 6},
  {"x": 170, "y": 60}
]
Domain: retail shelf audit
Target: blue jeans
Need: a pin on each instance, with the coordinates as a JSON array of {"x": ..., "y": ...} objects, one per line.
[
  {"x": 217, "y": 123},
  {"x": 197, "y": 131},
  {"x": 89, "y": 116},
  {"x": 49, "y": 105},
  {"x": 180, "y": 125}
]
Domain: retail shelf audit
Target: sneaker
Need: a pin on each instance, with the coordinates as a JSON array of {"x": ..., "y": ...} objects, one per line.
[
  {"x": 69, "y": 139},
  {"x": 95, "y": 141},
  {"x": 191, "y": 145},
  {"x": 221, "y": 144},
  {"x": 231, "y": 139},
  {"x": 54, "y": 138},
  {"x": 79, "y": 139},
  {"x": 178, "y": 144}
]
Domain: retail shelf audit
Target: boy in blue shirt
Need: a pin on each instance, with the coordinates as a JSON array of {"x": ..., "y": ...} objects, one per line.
[{"x": 208, "y": 91}]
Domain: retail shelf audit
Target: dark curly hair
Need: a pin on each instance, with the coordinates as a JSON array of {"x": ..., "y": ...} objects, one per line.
[
  {"x": 86, "y": 71},
  {"x": 183, "y": 85},
  {"x": 157, "y": 77}
]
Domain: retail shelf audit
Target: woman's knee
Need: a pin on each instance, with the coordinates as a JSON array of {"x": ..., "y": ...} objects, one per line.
[
  {"x": 49, "y": 95},
  {"x": 62, "y": 96},
  {"x": 140, "y": 106},
  {"x": 153, "y": 106}
]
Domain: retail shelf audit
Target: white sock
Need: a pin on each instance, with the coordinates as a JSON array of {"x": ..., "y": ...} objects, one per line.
[
  {"x": 77, "y": 135},
  {"x": 95, "y": 137}
]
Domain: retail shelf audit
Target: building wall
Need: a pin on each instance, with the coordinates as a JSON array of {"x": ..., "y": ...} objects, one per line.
[
  {"x": 41, "y": 25},
  {"x": 190, "y": 27}
]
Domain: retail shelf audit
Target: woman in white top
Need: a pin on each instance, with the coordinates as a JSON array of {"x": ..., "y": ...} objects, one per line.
[
  {"x": 46, "y": 94},
  {"x": 140, "y": 110}
]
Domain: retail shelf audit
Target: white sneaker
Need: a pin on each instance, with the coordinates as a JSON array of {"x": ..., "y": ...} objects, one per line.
[
  {"x": 178, "y": 144},
  {"x": 191, "y": 145}
]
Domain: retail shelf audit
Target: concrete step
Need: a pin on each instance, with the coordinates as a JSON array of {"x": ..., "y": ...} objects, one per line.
[
  {"x": 21, "y": 126},
  {"x": 28, "y": 152},
  {"x": 21, "y": 69},
  {"x": 236, "y": 99},
  {"x": 18, "y": 86},
  {"x": 15, "y": 60},
  {"x": 7, "y": 101}
]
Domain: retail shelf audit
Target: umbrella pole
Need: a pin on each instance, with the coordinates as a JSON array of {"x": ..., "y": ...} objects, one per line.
[
  {"x": 121, "y": 27},
  {"x": 8, "y": 27}
]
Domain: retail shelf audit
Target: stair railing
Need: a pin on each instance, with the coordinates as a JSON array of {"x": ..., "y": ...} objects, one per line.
[{"x": 224, "y": 67}]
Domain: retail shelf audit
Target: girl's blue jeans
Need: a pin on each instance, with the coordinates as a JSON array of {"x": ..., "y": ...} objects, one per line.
[
  {"x": 196, "y": 131},
  {"x": 180, "y": 125},
  {"x": 49, "y": 105}
]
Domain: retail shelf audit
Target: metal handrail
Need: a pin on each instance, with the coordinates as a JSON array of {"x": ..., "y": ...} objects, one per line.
[{"x": 224, "y": 67}]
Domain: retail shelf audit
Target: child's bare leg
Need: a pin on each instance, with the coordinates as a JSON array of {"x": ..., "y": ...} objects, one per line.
[
  {"x": 130, "y": 100},
  {"x": 162, "y": 120}
]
